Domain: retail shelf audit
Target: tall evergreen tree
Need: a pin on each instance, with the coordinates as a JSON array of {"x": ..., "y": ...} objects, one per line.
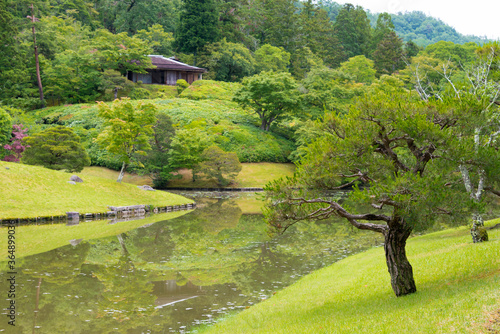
[
  {"x": 281, "y": 24},
  {"x": 198, "y": 25},
  {"x": 352, "y": 28},
  {"x": 388, "y": 56},
  {"x": 316, "y": 32},
  {"x": 383, "y": 27}
]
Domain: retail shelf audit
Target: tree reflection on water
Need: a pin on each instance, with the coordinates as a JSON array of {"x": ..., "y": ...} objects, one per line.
[{"x": 173, "y": 274}]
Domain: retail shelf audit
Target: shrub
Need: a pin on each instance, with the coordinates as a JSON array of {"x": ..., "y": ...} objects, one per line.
[
  {"x": 16, "y": 147},
  {"x": 56, "y": 148},
  {"x": 181, "y": 84},
  {"x": 5, "y": 127}
]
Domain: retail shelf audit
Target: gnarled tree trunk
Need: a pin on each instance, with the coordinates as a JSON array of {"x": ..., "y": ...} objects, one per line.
[{"x": 399, "y": 267}]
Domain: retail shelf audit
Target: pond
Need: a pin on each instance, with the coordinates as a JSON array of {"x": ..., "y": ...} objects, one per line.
[{"x": 171, "y": 275}]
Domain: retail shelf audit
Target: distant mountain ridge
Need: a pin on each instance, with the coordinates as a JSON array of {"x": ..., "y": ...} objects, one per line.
[{"x": 416, "y": 26}]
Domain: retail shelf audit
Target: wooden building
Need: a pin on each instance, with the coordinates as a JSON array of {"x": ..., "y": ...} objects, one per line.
[{"x": 167, "y": 71}]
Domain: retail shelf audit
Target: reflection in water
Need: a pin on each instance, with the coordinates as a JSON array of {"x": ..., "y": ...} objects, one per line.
[{"x": 171, "y": 275}]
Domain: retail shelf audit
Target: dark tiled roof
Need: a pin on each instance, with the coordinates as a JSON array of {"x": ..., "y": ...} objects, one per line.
[{"x": 163, "y": 63}]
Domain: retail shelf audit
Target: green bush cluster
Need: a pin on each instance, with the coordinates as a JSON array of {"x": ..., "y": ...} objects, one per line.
[
  {"x": 253, "y": 145},
  {"x": 181, "y": 85}
]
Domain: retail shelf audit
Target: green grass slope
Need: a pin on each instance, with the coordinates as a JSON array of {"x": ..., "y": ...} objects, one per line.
[
  {"x": 31, "y": 191},
  {"x": 458, "y": 292}
]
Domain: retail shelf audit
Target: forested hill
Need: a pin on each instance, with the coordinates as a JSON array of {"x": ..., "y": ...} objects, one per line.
[
  {"x": 87, "y": 47},
  {"x": 416, "y": 26}
]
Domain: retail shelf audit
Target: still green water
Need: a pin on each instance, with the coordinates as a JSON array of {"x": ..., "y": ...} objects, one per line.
[{"x": 170, "y": 276}]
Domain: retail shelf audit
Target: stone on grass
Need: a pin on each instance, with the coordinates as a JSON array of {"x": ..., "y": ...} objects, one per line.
[
  {"x": 75, "y": 178},
  {"x": 146, "y": 187},
  {"x": 71, "y": 182}
]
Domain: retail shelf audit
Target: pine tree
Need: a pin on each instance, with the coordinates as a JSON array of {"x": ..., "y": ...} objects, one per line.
[
  {"x": 353, "y": 30},
  {"x": 316, "y": 33},
  {"x": 388, "y": 56}
]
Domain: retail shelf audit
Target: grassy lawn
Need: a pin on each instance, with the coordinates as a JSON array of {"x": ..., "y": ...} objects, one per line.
[
  {"x": 458, "y": 286},
  {"x": 31, "y": 191},
  {"x": 251, "y": 175},
  {"x": 138, "y": 180}
]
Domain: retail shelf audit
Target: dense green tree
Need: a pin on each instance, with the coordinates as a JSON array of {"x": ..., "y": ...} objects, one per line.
[
  {"x": 303, "y": 61},
  {"x": 158, "y": 39},
  {"x": 156, "y": 162},
  {"x": 388, "y": 56},
  {"x": 316, "y": 33},
  {"x": 353, "y": 30},
  {"x": 410, "y": 50},
  {"x": 128, "y": 129},
  {"x": 114, "y": 81},
  {"x": 228, "y": 61},
  {"x": 383, "y": 27},
  {"x": 360, "y": 68},
  {"x": 57, "y": 34},
  {"x": 14, "y": 77},
  {"x": 391, "y": 143},
  {"x": 56, "y": 148},
  {"x": 327, "y": 90},
  {"x": 273, "y": 96},
  {"x": 449, "y": 51},
  {"x": 187, "y": 147},
  {"x": 280, "y": 25},
  {"x": 5, "y": 127},
  {"x": 272, "y": 58},
  {"x": 130, "y": 16},
  {"x": 73, "y": 77},
  {"x": 198, "y": 26},
  {"x": 121, "y": 53},
  {"x": 231, "y": 17},
  {"x": 220, "y": 165}
]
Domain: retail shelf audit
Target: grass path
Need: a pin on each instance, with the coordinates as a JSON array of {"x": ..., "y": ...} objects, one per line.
[
  {"x": 458, "y": 292},
  {"x": 31, "y": 191}
]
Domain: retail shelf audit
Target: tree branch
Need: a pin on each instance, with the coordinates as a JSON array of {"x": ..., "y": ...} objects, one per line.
[{"x": 336, "y": 209}]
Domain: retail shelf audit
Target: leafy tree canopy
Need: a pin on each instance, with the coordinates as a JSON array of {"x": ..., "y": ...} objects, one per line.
[
  {"x": 128, "y": 129},
  {"x": 361, "y": 68},
  {"x": 271, "y": 58},
  {"x": 228, "y": 61},
  {"x": 273, "y": 96},
  {"x": 197, "y": 25}
]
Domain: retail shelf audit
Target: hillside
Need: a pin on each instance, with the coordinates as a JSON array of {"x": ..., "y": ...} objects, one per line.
[{"x": 205, "y": 106}]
